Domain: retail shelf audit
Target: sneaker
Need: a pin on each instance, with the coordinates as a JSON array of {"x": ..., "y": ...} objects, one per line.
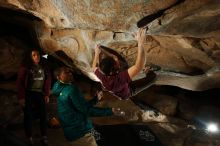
[{"x": 44, "y": 141}]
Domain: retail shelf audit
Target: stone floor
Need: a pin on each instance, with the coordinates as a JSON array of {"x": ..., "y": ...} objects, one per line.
[
  {"x": 56, "y": 137},
  {"x": 108, "y": 134}
]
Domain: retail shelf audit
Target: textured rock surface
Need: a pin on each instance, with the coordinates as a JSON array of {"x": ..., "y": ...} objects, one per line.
[
  {"x": 11, "y": 113},
  {"x": 182, "y": 38},
  {"x": 183, "y": 41},
  {"x": 192, "y": 19},
  {"x": 117, "y": 15},
  {"x": 11, "y": 55}
]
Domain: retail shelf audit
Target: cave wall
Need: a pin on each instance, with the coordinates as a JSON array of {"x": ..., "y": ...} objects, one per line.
[
  {"x": 182, "y": 35},
  {"x": 182, "y": 39}
]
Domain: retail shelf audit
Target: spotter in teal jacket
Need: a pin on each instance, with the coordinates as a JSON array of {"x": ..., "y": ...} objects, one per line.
[{"x": 74, "y": 110}]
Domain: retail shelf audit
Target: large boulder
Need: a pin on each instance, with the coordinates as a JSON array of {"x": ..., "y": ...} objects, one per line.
[{"x": 182, "y": 35}]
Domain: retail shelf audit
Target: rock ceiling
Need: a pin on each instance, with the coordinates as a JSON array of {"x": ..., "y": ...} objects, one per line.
[
  {"x": 182, "y": 40},
  {"x": 183, "y": 36}
]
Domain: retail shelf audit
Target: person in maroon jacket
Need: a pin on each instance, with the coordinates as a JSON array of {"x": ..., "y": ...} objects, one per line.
[
  {"x": 34, "y": 83},
  {"x": 119, "y": 82}
]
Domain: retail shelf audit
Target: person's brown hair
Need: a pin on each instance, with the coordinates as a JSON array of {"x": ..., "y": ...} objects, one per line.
[
  {"x": 107, "y": 66},
  {"x": 58, "y": 71},
  {"x": 27, "y": 60}
]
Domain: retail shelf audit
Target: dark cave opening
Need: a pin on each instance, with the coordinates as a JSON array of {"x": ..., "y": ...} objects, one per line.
[{"x": 18, "y": 24}]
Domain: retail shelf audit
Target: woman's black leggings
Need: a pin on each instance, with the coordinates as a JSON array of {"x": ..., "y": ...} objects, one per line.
[{"x": 34, "y": 108}]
